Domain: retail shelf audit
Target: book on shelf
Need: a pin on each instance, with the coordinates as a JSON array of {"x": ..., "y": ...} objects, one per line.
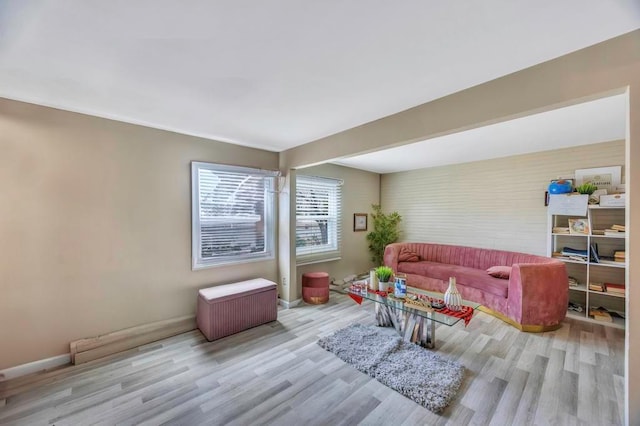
[
  {"x": 617, "y": 314},
  {"x": 573, "y": 282},
  {"x": 600, "y": 315},
  {"x": 608, "y": 260},
  {"x": 597, "y": 232},
  {"x": 561, "y": 256},
  {"x": 619, "y": 228},
  {"x": 560, "y": 230},
  {"x": 568, "y": 251},
  {"x": 594, "y": 253},
  {"x": 619, "y": 255},
  {"x": 595, "y": 286},
  {"x": 615, "y": 288},
  {"x": 614, "y": 233}
]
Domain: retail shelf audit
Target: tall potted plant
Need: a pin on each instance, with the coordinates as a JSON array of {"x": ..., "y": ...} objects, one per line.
[{"x": 385, "y": 231}]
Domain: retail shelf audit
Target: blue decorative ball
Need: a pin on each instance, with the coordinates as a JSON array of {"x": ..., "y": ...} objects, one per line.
[{"x": 560, "y": 187}]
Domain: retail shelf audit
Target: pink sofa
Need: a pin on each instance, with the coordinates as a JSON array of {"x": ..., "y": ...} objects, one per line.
[{"x": 533, "y": 298}]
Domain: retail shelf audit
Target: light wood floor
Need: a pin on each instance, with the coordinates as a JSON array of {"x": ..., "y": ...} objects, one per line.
[{"x": 276, "y": 374}]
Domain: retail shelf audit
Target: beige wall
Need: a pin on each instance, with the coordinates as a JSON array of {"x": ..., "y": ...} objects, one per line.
[
  {"x": 495, "y": 203},
  {"x": 606, "y": 68},
  {"x": 360, "y": 190},
  {"x": 95, "y": 227}
]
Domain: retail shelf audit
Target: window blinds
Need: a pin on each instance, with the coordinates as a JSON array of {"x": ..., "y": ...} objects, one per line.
[
  {"x": 233, "y": 214},
  {"x": 318, "y": 218}
]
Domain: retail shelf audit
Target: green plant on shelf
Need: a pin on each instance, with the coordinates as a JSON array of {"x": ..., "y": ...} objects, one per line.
[{"x": 586, "y": 188}]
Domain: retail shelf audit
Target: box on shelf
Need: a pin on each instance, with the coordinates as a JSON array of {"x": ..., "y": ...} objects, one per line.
[{"x": 613, "y": 200}]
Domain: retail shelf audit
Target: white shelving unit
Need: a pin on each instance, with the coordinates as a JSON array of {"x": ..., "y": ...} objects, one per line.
[{"x": 605, "y": 271}]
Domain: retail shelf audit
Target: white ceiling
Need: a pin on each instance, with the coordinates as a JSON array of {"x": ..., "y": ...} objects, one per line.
[
  {"x": 277, "y": 74},
  {"x": 581, "y": 124}
]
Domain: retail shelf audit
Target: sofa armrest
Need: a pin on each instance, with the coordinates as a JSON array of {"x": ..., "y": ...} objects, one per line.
[
  {"x": 538, "y": 293},
  {"x": 391, "y": 254}
]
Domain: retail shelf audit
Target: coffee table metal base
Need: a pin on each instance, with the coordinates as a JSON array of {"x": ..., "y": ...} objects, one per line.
[{"x": 410, "y": 326}]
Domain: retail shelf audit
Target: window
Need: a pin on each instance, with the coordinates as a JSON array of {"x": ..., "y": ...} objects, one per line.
[
  {"x": 318, "y": 218},
  {"x": 232, "y": 214}
]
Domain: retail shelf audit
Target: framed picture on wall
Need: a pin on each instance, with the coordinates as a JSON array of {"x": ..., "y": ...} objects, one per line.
[{"x": 360, "y": 221}]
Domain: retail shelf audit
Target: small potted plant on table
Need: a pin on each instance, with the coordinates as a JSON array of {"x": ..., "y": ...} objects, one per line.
[{"x": 384, "y": 276}]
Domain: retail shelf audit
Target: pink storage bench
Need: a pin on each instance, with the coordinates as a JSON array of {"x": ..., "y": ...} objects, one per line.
[{"x": 230, "y": 308}]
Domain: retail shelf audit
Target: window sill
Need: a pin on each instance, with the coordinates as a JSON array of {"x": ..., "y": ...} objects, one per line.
[
  {"x": 304, "y": 262},
  {"x": 201, "y": 266}
]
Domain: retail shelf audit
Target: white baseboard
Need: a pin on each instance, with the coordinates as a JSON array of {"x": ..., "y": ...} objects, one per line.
[
  {"x": 291, "y": 304},
  {"x": 34, "y": 367}
]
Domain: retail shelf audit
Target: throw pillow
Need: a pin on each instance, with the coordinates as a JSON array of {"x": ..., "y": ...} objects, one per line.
[
  {"x": 407, "y": 255},
  {"x": 502, "y": 272}
]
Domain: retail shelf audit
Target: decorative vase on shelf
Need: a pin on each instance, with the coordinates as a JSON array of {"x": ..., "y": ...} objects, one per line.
[
  {"x": 452, "y": 297},
  {"x": 561, "y": 186}
]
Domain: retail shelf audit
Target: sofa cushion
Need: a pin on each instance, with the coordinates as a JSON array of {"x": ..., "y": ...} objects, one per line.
[
  {"x": 225, "y": 292},
  {"x": 470, "y": 277},
  {"x": 407, "y": 255},
  {"x": 503, "y": 272}
]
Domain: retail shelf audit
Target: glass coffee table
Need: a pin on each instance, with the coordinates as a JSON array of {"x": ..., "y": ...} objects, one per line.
[{"x": 417, "y": 325}]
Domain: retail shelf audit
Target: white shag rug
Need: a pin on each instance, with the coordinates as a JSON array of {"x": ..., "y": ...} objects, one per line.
[{"x": 423, "y": 376}]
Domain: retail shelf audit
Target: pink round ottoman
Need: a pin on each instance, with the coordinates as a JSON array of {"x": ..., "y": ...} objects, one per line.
[{"x": 315, "y": 287}]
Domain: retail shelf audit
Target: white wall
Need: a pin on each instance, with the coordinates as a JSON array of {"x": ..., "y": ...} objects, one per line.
[{"x": 495, "y": 203}]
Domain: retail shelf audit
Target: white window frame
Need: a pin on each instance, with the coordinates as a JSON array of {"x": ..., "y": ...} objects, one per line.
[
  {"x": 332, "y": 249},
  {"x": 198, "y": 261}
]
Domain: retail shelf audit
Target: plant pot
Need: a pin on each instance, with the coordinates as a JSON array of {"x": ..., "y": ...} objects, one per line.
[{"x": 383, "y": 285}]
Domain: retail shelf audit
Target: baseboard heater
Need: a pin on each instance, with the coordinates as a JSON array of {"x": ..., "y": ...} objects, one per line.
[{"x": 85, "y": 350}]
